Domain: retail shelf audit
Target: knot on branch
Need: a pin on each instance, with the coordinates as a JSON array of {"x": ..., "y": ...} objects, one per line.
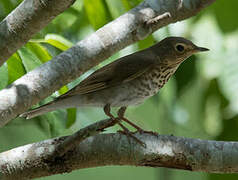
[{"x": 150, "y": 20}]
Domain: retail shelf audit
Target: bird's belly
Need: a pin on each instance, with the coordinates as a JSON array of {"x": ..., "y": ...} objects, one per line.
[
  {"x": 125, "y": 95},
  {"x": 131, "y": 93}
]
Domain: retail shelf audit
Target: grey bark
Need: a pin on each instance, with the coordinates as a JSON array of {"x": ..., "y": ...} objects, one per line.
[
  {"x": 134, "y": 25},
  {"x": 33, "y": 160},
  {"x": 26, "y": 20}
]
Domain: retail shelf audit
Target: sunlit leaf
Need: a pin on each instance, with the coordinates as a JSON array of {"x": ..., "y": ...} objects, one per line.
[
  {"x": 147, "y": 42},
  {"x": 97, "y": 13},
  {"x": 39, "y": 50},
  {"x": 58, "y": 41},
  {"x": 71, "y": 112},
  {"x": 29, "y": 59},
  {"x": 60, "y": 25},
  {"x": 63, "y": 90},
  {"x": 78, "y": 5},
  {"x": 71, "y": 117},
  {"x": 126, "y": 4},
  {"x": 3, "y": 76},
  {"x": 15, "y": 68}
]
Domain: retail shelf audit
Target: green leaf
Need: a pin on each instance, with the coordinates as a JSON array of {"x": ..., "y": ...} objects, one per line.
[
  {"x": 15, "y": 68},
  {"x": 71, "y": 116},
  {"x": 116, "y": 8},
  {"x": 129, "y": 4},
  {"x": 126, "y": 4},
  {"x": 188, "y": 68},
  {"x": 97, "y": 13},
  {"x": 71, "y": 112},
  {"x": 29, "y": 59},
  {"x": 78, "y": 5},
  {"x": 8, "y": 6},
  {"x": 214, "y": 105},
  {"x": 225, "y": 13},
  {"x": 54, "y": 119},
  {"x": 40, "y": 51},
  {"x": 147, "y": 42},
  {"x": 3, "y": 76},
  {"x": 58, "y": 41},
  {"x": 63, "y": 90}
]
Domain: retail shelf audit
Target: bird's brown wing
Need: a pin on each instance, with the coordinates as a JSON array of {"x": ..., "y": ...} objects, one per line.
[{"x": 120, "y": 71}]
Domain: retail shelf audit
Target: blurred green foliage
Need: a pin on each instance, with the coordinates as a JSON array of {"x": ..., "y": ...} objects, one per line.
[{"x": 200, "y": 101}]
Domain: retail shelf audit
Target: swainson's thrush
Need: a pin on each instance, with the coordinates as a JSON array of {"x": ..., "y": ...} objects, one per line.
[{"x": 127, "y": 81}]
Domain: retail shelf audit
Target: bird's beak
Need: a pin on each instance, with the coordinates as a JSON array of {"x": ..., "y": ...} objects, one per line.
[{"x": 201, "y": 49}]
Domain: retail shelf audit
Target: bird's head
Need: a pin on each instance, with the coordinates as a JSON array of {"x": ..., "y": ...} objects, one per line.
[{"x": 174, "y": 50}]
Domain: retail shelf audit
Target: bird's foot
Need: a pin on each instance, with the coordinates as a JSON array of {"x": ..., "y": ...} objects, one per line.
[
  {"x": 121, "y": 113},
  {"x": 130, "y": 134},
  {"x": 140, "y": 130}
]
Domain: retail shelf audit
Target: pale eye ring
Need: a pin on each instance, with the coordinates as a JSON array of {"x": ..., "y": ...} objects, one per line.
[{"x": 180, "y": 48}]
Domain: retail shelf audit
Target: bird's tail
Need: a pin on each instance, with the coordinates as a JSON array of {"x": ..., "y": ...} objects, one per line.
[
  {"x": 59, "y": 103},
  {"x": 38, "y": 111}
]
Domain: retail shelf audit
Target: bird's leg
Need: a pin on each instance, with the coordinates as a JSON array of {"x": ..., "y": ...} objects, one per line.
[
  {"x": 107, "y": 111},
  {"x": 128, "y": 133},
  {"x": 121, "y": 113}
]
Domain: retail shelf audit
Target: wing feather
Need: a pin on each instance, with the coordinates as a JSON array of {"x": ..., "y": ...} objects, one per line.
[{"x": 122, "y": 70}]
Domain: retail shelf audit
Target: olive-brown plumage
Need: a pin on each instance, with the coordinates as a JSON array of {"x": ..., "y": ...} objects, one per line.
[{"x": 127, "y": 81}]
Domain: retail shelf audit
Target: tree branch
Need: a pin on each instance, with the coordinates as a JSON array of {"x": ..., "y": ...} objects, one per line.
[
  {"x": 71, "y": 141},
  {"x": 34, "y": 160},
  {"x": 127, "y": 29},
  {"x": 26, "y": 20}
]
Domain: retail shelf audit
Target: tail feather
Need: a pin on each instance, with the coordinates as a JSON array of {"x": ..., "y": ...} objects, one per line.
[
  {"x": 38, "y": 111},
  {"x": 59, "y": 103}
]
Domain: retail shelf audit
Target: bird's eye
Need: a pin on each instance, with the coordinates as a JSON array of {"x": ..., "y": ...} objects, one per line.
[{"x": 180, "y": 48}]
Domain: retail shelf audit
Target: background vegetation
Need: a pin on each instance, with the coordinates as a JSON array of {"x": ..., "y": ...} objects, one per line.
[{"x": 200, "y": 101}]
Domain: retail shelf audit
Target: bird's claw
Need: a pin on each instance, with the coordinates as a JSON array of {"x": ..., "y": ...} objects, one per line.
[{"x": 141, "y": 131}]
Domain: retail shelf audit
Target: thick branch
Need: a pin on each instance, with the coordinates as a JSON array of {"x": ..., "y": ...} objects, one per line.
[
  {"x": 33, "y": 160},
  {"x": 71, "y": 141},
  {"x": 129, "y": 28},
  {"x": 26, "y": 20}
]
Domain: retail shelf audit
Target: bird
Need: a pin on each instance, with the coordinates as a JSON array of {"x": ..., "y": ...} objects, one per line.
[{"x": 127, "y": 81}]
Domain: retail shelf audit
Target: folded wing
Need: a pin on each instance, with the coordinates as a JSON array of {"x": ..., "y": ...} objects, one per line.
[{"x": 120, "y": 71}]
